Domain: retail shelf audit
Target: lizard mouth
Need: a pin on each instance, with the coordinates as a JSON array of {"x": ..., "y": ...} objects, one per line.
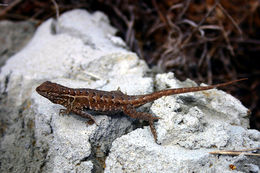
[
  {"x": 39, "y": 90},
  {"x": 48, "y": 90},
  {"x": 43, "y": 89},
  {"x": 42, "y": 93}
]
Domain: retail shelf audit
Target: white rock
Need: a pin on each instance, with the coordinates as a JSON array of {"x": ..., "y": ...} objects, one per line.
[
  {"x": 191, "y": 125},
  {"x": 80, "y": 51}
]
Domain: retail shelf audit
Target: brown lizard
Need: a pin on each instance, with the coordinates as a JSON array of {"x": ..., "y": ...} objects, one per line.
[{"x": 77, "y": 100}]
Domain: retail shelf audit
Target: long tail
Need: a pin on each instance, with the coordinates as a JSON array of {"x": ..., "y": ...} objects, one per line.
[{"x": 142, "y": 99}]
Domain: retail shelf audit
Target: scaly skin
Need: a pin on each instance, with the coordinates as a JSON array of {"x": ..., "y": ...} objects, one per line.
[{"x": 79, "y": 99}]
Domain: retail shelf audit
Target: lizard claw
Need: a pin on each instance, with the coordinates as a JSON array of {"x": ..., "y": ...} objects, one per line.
[
  {"x": 91, "y": 122},
  {"x": 62, "y": 112}
]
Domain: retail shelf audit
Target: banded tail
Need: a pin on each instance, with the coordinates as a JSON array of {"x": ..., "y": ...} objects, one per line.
[{"x": 142, "y": 99}]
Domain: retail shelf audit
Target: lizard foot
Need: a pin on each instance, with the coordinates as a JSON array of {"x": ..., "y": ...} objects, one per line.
[
  {"x": 63, "y": 112},
  {"x": 91, "y": 122}
]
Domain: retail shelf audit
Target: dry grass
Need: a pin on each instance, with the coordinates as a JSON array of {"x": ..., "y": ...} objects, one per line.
[{"x": 208, "y": 41}]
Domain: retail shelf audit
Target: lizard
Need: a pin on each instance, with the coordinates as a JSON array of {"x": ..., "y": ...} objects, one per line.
[{"x": 76, "y": 100}]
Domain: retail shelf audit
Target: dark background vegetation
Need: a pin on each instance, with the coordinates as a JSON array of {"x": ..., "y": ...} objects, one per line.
[{"x": 208, "y": 41}]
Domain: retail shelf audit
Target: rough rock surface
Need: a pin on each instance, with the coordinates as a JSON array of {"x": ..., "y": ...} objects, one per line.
[
  {"x": 13, "y": 37},
  {"x": 191, "y": 126},
  {"x": 80, "y": 50}
]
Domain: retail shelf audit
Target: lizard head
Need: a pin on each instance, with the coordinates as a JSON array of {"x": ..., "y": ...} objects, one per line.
[{"x": 50, "y": 90}]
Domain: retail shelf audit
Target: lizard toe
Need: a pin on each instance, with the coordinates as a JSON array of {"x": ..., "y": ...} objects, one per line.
[
  {"x": 91, "y": 122},
  {"x": 156, "y": 118}
]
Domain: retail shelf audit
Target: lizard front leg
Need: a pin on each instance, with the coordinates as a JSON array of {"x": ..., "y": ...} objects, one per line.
[
  {"x": 64, "y": 111},
  {"x": 85, "y": 115},
  {"x": 130, "y": 111},
  {"x": 69, "y": 107}
]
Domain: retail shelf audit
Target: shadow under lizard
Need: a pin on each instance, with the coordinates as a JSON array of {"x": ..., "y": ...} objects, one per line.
[{"x": 77, "y": 100}]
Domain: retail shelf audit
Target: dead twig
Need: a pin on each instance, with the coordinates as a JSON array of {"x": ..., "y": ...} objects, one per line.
[
  {"x": 56, "y": 9},
  {"x": 231, "y": 19},
  {"x": 161, "y": 15},
  {"x": 238, "y": 152},
  {"x": 5, "y": 5},
  {"x": 201, "y": 22},
  {"x": 10, "y": 7},
  {"x": 186, "y": 6}
]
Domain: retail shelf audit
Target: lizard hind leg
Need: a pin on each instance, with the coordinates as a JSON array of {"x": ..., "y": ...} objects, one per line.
[
  {"x": 130, "y": 111},
  {"x": 151, "y": 124}
]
